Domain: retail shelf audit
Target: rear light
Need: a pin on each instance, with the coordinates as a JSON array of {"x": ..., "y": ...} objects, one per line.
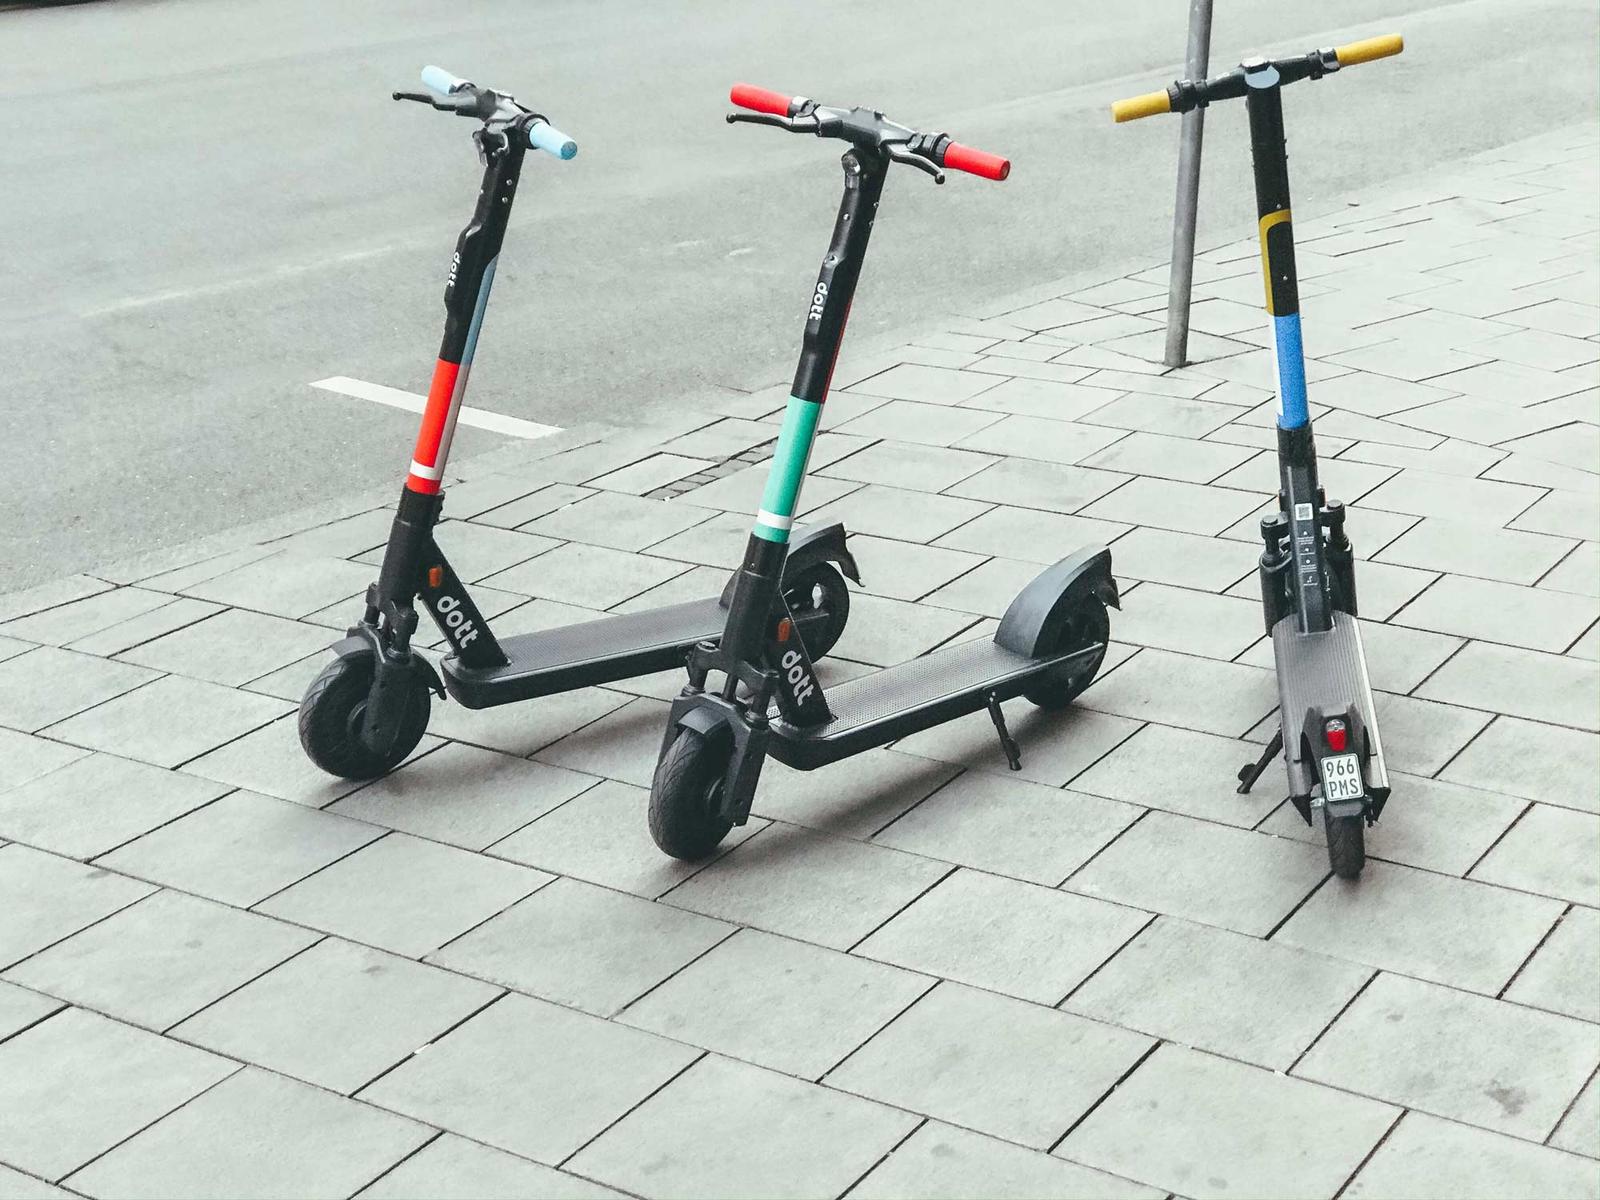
[{"x": 1333, "y": 729}]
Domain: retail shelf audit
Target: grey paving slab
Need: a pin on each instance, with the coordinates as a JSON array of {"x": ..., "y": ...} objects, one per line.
[
  {"x": 1533, "y": 760},
  {"x": 97, "y": 802},
  {"x": 241, "y": 848},
  {"x": 20, "y": 1008},
  {"x": 777, "y": 1002},
  {"x": 894, "y": 512},
  {"x": 1551, "y": 851},
  {"x": 1190, "y": 622},
  {"x": 1228, "y": 1129},
  {"x": 919, "y": 468},
  {"x": 1565, "y": 514},
  {"x": 1471, "y": 548},
  {"x": 1141, "y": 771},
  {"x": 1041, "y": 438},
  {"x": 1426, "y": 925},
  {"x": 1426, "y": 1157},
  {"x": 1579, "y": 1130},
  {"x": 771, "y": 1125},
  {"x": 1056, "y": 744},
  {"x": 1546, "y": 687},
  {"x": 617, "y": 520},
  {"x": 23, "y": 757},
  {"x": 284, "y": 585},
  {"x": 478, "y": 551},
  {"x": 821, "y": 889},
  {"x": 157, "y": 961},
  {"x": 80, "y": 618},
  {"x": 76, "y": 1085},
  {"x": 546, "y": 945},
  {"x": 405, "y": 895},
  {"x": 463, "y": 795},
  {"x": 944, "y": 1162},
  {"x": 1231, "y": 878},
  {"x": 1420, "y": 736},
  {"x": 270, "y": 760},
  {"x": 906, "y": 570},
  {"x": 1180, "y": 559},
  {"x": 649, "y": 473},
  {"x": 531, "y": 1077},
  {"x": 46, "y": 898},
  {"x": 1579, "y": 572},
  {"x": 623, "y": 744},
  {"x": 1378, "y": 395},
  {"x": 1560, "y": 976},
  {"x": 1457, "y": 1055},
  {"x": 852, "y": 799},
  {"x": 1168, "y": 504},
  {"x": 1036, "y": 943},
  {"x": 337, "y": 1015},
  {"x": 884, "y": 631},
  {"x": 1258, "y": 1002},
  {"x": 1164, "y": 457},
  {"x": 1056, "y": 400},
  {"x": 527, "y": 508},
  {"x": 231, "y": 648},
  {"x": 14, "y": 1185},
  {"x": 590, "y": 576},
  {"x": 1509, "y": 383},
  {"x": 1032, "y": 483},
  {"x": 1029, "y": 534},
  {"x": 993, "y": 1064},
  {"x": 47, "y": 685},
  {"x": 1430, "y": 824},
  {"x": 231, "y": 1142},
  {"x": 452, "y": 1168},
  {"x": 1157, "y": 685},
  {"x": 1500, "y": 612},
  {"x": 169, "y": 721},
  {"x": 602, "y": 836},
  {"x": 975, "y": 821},
  {"x": 927, "y": 424},
  {"x": 11, "y": 647},
  {"x": 986, "y": 590},
  {"x": 929, "y": 385}
]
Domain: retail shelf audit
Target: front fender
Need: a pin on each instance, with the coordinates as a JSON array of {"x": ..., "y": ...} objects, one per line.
[{"x": 1033, "y": 621}]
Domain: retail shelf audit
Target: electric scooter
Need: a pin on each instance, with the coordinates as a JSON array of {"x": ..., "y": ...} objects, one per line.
[
  {"x": 1327, "y": 729},
  {"x": 368, "y": 709},
  {"x": 768, "y": 699}
]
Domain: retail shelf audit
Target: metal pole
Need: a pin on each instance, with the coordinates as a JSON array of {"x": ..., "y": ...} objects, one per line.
[{"x": 1196, "y": 63}]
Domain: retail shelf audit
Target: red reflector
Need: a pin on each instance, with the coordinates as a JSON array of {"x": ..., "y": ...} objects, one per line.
[
  {"x": 785, "y": 628},
  {"x": 1335, "y": 733}
]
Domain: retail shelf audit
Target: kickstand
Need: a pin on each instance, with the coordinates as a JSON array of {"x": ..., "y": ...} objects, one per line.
[
  {"x": 1007, "y": 742},
  {"x": 1250, "y": 772}
]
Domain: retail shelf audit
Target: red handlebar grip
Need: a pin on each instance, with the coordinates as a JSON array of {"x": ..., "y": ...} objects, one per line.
[
  {"x": 976, "y": 162},
  {"x": 747, "y": 95}
]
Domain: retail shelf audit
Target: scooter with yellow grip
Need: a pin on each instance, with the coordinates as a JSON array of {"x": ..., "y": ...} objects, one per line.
[{"x": 1327, "y": 728}]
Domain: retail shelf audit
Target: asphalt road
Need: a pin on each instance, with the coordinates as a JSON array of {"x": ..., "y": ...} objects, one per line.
[{"x": 206, "y": 206}]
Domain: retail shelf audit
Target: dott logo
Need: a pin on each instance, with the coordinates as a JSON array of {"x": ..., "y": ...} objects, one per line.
[
  {"x": 455, "y": 265},
  {"x": 817, "y": 301},
  {"x": 801, "y": 684},
  {"x": 457, "y": 627}
]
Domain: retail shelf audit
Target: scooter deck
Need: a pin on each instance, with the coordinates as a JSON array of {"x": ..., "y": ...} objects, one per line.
[
  {"x": 900, "y": 700},
  {"x": 1326, "y": 671},
  {"x": 602, "y": 651}
]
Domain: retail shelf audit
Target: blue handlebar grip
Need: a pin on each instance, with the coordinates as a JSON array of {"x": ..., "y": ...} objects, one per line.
[
  {"x": 437, "y": 79},
  {"x": 546, "y": 137}
]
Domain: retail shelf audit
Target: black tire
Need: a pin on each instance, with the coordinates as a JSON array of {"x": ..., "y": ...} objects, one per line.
[
  {"x": 819, "y": 588},
  {"x": 684, "y": 795},
  {"x": 1347, "y": 845},
  {"x": 1086, "y": 625},
  {"x": 330, "y": 718}
]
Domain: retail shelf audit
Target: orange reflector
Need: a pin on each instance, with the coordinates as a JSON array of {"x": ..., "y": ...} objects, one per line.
[
  {"x": 785, "y": 628},
  {"x": 435, "y": 576}
]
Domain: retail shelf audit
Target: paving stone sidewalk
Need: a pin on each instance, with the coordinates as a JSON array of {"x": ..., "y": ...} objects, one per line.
[{"x": 918, "y": 974}]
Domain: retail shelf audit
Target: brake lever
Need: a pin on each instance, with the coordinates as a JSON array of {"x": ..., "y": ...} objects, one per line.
[
  {"x": 806, "y": 124},
  {"x": 897, "y": 154}
]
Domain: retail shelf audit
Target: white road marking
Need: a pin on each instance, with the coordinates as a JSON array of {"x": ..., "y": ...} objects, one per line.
[{"x": 411, "y": 402}]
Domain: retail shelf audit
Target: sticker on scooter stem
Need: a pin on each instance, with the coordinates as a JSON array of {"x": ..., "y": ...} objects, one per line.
[
  {"x": 457, "y": 627},
  {"x": 801, "y": 683},
  {"x": 818, "y": 300},
  {"x": 1302, "y": 512}
]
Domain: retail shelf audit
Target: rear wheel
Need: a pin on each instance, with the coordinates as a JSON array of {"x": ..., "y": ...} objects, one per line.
[
  {"x": 819, "y": 602},
  {"x": 1087, "y": 625},
  {"x": 1347, "y": 845},
  {"x": 332, "y": 711},
  {"x": 685, "y": 797}
]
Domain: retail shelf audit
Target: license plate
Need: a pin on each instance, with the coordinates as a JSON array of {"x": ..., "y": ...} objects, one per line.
[{"x": 1341, "y": 777}]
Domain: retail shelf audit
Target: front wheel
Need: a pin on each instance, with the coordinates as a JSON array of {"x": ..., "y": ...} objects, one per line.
[
  {"x": 686, "y": 818},
  {"x": 332, "y": 711},
  {"x": 1087, "y": 625},
  {"x": 1347, "y": 845},
  {"x": 820, "y": 594}
]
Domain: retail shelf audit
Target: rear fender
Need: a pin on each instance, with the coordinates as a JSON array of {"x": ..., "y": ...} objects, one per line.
[
  {"x": 1032, "y": 624},
  {"x": 817, "y": 544}
]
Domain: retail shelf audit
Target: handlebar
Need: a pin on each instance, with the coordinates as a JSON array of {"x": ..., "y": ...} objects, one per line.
[
  {"x": 1187, "y": 94},
  {"x": 497, "y": 110},
  {"x": 866, "y": 130}
]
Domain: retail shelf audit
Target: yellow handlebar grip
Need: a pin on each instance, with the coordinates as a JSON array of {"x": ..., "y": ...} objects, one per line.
[
  {"x": 1369, "y": 49},
  {"x": 1147, "y": 105}
]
